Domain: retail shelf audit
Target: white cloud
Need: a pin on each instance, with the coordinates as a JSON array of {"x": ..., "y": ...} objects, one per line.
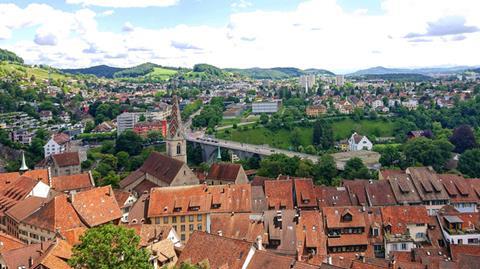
[
  {"x": 125, "y": 3},
  {"x": 241, "y": 4},
  {"x": 109, "y": 12},
  {"x": 318, "y": 33}
]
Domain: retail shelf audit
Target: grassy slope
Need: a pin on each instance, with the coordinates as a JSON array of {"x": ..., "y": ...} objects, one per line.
[
  {"x": 161, "y": 73},
  {"x": 342, "y": 130},
  {"x": 39, "y": 73}
]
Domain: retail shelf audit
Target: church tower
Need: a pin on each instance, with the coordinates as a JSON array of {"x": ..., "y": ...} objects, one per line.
[{"x": 175, "y": 142}]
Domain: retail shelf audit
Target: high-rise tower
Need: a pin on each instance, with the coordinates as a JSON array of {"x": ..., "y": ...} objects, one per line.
[{"x": 175, "y": 142}]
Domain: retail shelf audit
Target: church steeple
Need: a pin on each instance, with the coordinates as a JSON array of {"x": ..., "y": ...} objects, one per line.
[
  {"x": 24, "y": 167},
  {"x": 175, "y": 142}
]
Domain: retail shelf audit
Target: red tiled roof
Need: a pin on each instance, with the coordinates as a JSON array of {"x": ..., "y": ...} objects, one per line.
[
  {"x": 159, "y": 166},
  {"x": 388, "y": 173},
  {"x": 200, "y": 198},
  {"x": 400, "y": 216},
  {"x": 72, "y": 182},
  {"x": 149, "y": 233},
  {"x": 268, "y": 260},
  {"x": 96, "y": 206},
  {"x": 61, "y": 138},
  {"x": 457, "y": 188},
  {"x": 379, "y": 193},
  {"x": 121, "y": 197},
  {"x": 259, "y": 180},
  {"x": 73, "y": 235},
  {"x": 333, "y": 217},
  {"x": 229, "y": 253},
  {"x": 332, "y": 196},
  {"x": 65, "y": 159},
  {"x": 57, "y": 214},
  {"x": 279, "y": 194},
  {"x": 56, "y": 256},
  {"x": 305, "y": 193},
  {"x": 348, "y": 240},
  {"x": 311, "y": 235},
  {"x": 243, "y": 226},
  {"x": 16, "y": 192},
  {"x": 16, "y": 258},
  {"x": 25, "y": 208},
  {"x": 224, "y": 171},
  {"x": 6, "y": 179},
  {"x": 456, "y": 250},
  {"x": 9, "y": 242}
]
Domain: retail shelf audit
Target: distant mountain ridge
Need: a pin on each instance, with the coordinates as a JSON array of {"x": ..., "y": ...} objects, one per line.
[
  {"x": 277, "y": 72},
  {"x": 380, "y": 70}
]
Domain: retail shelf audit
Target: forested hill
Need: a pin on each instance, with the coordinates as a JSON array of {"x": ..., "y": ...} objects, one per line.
[
  {"x": 6, "y": 55},
  {"x": 99, "y": 71}
]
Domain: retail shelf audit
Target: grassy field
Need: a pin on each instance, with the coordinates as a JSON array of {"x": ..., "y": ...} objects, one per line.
[
  {"x": 162, "y": 73},
  {"x": 282, "y": 138},
  {"x": 344, "y": 128}
]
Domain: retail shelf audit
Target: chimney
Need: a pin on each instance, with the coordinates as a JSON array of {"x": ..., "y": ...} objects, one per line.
[
  {"x": 220, "y": 233},
  {"x": 30, "y": 262},
  {"x": 259, "y": 242},
  {"x": 292, "y": 264},
  {"x": 329, "y": 260},
  {"x": 91, "y": 177}
]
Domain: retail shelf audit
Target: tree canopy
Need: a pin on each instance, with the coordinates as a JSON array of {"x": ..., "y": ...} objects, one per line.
[{"x": 109, "y": 246}]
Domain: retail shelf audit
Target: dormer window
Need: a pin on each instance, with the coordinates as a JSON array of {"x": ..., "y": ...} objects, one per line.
[
  {"x": 375, "y": 232},
  {"x": 177, "y": 209},
  {"x": 346, "y": 216}
]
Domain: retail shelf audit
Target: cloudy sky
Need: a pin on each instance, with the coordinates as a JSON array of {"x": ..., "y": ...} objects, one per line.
[{"x": 340, "y": 35}]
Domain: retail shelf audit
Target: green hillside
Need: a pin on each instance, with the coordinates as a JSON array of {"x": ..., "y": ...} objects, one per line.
[
  {"x": 277, "y": 72},
  {"x": 39, "y": 73},
  {"x": 9, "y": 56}
]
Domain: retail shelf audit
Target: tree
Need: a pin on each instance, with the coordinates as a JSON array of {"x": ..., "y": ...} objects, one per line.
[
  {"x": 304, "y": 168},
  {"x": 390, "y": 156},
  {"x": 463, "y": 138},
  {"x": 295, "y": 137},
  {"x": 469, "y": 162},
  {"x": 129, "y": 142},
  {"x": 263, "y": 118},
  {"x": 109, "y": 246},
  {"x": 354, "y": 168},
  {"x": 122, "y": 159},
  {"x": 322, "y": 134},
  {"x": 325, "y": 170},
  {"x": 427, "y": 152},
  {"x": 108, "y": 147}
]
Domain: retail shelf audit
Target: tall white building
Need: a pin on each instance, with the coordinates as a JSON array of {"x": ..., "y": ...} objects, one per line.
[
  {"x": 126, "y": 121},
  {"x": 265, "y": 107},
  {"x": 58, "y": 143},
  {"x": 340, "y": 80},
  {"x": 306, "y": 82}
]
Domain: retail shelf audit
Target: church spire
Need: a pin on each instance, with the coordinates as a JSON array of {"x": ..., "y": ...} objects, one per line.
[
  {"x": 175, "y": 127},
  {"x": 24, "y": 167}
]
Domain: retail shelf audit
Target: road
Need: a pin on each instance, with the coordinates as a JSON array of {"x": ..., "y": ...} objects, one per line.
[{"x": 263, "y": 150}]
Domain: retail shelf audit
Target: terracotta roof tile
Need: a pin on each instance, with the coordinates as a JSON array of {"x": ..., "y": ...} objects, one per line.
[
  {"x": 9, "y": 242},
  {"x": 229, "y": 253},
  {"x": 283, "y": 231},
  {"x": 456, "y": 250},
  {"x": 268, "y": 260},
  {"x": 310, "y": 234},
  {"x": 25, "y": 208},
  {"x": 138, "y": 213},
  {"x": 400, "y": 216},
  {"x": 279, "y": 194},
  {"x": 380, "y": 193},
  {"x": 305, "y": 193},
  {"x": 72, "y": 182},
  {"x": 333, "y": 217},
  {"x": 16, "y": 192},
  {"x": 457, "y": 188},
  {"x": 348, "y": 240},
  {"x": 244, "y": 226},
  {"x": 6, "y": 179},
  {"x": 96, "y": 206},
  {"x": 61, "y": 138},
  {"x": 56, "y": 256},
  {"x": 16, "y": 258},
  {"x": 332, "y": 196},
  {"x": 150, "y": 233},
  {"x": 65, "y": 159},
  {"x": 259, "y": 181},
  {"x": 403, "y": 189},
  {"x": 224, "y": 171},
  {"x": 121, "y": 197},
  {"x": 427, "y": 183},
  {"x": 200, "y": 198},
  {"x": 73, "y": 235},
  {"x": 57, "y": 214}
]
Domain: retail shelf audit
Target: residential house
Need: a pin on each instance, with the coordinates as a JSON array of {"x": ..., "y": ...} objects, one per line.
[
  {"x": 72, "y": 183},
  {"x": 229, "y": 253},
  {"x": 460, "y": 194},
  {"x": 332, "y": 196},
  {"x": 226, "y": 173},
  {"x": 61, "y": 164},
  {"x": 315, "y": 110},
  {"x": 46, "y": 115},
  {"x": 188, "y": 208},
  {"x": 158, "y": 171},
  {"x": 55, "y": 216},
  {"x": 279, "y": 194},
  {"x": 22, "y": 136},
  {"x": 305, "y": 195},
  {"x": 346, "y": 229},
  {"x": 96, "y": 206},
  {"x": 402, "y": 187},
  {"x": 404, "y": 227},
  {"x": 359, "y": 142},
  {"x": 280, "y": 226},
  {"x": 429, "y": 188},
  {"x": 311, "y": 238},
  {"x": 125, "y": 201},
  {"x": 460, "y": 228},
  {"x": 58, "y": 143},
  {"x": 20, "y": 211}
]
